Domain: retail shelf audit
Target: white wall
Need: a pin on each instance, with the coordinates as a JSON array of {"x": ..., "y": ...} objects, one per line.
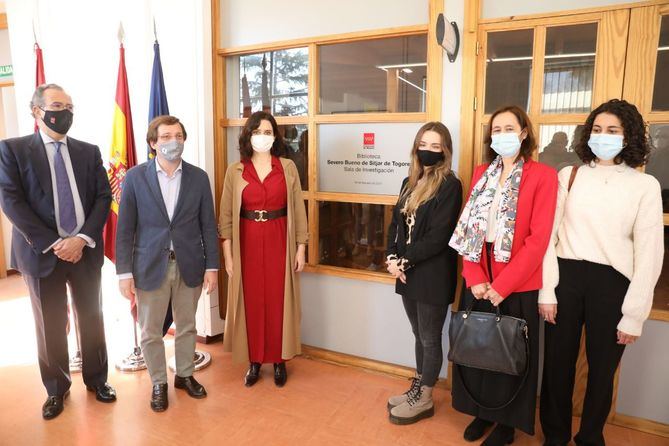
[
  {"x": 643, "y": 390},
  {"x": 8, "y": 127},
  {"x": 81, "y": 53},
  {"x": 506, "y": 8},
  {"x": 9, "y": 130},
  {"x": 260, "y": 21}
]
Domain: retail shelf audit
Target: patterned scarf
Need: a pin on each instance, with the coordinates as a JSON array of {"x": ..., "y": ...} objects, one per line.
[{"x": 470, "y": 232}]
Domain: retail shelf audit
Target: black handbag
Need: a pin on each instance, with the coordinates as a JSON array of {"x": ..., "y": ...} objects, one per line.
[{"x": 489, "y": 341}]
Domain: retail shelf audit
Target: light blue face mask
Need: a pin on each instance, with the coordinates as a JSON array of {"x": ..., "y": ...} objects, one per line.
[
  {"x": 605, "y": 146},
  {"x": 506, "y": 145}
]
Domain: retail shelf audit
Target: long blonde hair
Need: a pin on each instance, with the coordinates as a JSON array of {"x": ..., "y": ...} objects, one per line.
[{"x": 424, "y": 181}]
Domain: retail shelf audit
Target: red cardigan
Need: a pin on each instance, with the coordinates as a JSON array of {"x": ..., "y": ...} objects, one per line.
[{"x": 537, "y": 199}]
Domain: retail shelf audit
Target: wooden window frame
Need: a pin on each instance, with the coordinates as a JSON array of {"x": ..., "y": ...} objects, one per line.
[
  {"x": 640, "y": 78},
  {"x": 313, "y": 118}
]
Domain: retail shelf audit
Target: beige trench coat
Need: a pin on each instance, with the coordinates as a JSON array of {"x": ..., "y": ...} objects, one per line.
[{"x": 234, "y": 336}]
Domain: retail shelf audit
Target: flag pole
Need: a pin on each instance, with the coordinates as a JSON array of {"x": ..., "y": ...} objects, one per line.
[
  {"x": 135, "y": 360},
  {"x": 75, "y": 361}
]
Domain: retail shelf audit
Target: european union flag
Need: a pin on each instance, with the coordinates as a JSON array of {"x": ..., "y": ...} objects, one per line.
[{"x": 158, "y": 100}]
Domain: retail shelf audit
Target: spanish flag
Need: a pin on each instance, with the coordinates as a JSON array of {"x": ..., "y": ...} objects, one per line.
[
  {"x": 122, "y": 153},
  {"x": 39, "y": 70}
]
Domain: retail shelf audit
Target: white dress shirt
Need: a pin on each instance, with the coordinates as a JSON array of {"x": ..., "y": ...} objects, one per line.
[
  {"x": 169, "y": 189},
  {"x": 50, "y": 146}
]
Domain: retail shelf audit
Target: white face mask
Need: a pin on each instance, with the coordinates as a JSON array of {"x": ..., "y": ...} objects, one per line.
[
  {"x": 605, "y": 146},
  {"x": 506, "y": 144},
  {"x": 262, "y": 143}
]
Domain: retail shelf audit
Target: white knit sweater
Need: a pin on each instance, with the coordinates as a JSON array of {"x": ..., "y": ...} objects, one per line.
[{"x": 611, "y": 216}]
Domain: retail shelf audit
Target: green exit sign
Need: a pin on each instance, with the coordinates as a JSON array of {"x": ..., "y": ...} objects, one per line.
[{"x": 6, "y": 71}]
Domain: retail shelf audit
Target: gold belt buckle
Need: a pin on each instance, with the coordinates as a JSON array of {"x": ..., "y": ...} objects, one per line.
[{"x": 260, "y": 216}]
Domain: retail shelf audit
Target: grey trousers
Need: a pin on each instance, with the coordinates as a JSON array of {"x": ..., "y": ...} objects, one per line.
[{"x": 151, "y": 310}]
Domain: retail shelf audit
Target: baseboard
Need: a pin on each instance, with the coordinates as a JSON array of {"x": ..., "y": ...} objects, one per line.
[
  {"x": 368, "y": 365},
  {"x": 641, "y": 424}
]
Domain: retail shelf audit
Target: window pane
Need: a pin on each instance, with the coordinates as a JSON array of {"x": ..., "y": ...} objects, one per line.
[
  {"x": 660, "y": 91},
  {"x": 382, "y": 75},
  {"x": 297, "y": 145},
  {"x": 661, "y": 298},
  {"x": 275, "y": 81},
  {"x": 508, "y": 69},
  {"x": 485, "y": 128},
  {"x": 569, "y": 67},
  {"x": 233, "y": 144},
  {"x": 353, "y": 235},
  {"x": 658, "y": 164},
  {"x": 296, "y": 138},
  {"x": 556, "y": 145},
  {"x": 365, "y": 158}
]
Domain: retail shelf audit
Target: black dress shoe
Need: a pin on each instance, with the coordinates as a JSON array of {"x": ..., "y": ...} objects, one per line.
[
  {"x": 53, "y": 406},
  {"x": 104, "y": 393},
  {"x": 159, "y": 401},
  {"x": 501, "y": 435},
  {"x": 280, "y": 374},
  {"x": 476, "y": 429},
  {"x": 252, "y": 375},
  {"x": 194, "y": 388}
]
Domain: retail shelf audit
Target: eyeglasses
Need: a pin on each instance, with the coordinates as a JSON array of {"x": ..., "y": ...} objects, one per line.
[
  {"x": 168, "y": 136},
  {"x": 59, "y": 106}
]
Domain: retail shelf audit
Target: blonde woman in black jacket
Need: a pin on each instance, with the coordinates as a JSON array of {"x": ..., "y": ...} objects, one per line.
[{"x": 422, "y": 262}]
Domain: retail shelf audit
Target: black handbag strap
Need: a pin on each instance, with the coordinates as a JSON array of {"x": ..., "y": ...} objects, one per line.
[{"x": 515, "y": 394}]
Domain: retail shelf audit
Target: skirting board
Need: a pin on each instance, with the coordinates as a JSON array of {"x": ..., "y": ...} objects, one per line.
[
  {"x": 641, "y": 424},
  {"x": 384, "y": 368},
  {"x": 368, "y": 365}
]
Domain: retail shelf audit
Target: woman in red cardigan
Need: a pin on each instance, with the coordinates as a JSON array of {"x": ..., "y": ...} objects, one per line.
[{"x": 502, "y": 234}]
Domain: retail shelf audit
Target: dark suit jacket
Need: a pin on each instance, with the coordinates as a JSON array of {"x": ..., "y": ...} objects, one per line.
[
  {"x": 26, "y": 196},
  {"x": 432, "y": 276},
  {"x": 144, "y": 230}
]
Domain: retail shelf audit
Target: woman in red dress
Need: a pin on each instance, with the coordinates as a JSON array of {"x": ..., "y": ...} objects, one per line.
[{"x": 263, "y": 224}]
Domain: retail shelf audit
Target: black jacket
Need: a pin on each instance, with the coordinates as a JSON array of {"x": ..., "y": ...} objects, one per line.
[
  {"x": 26, "y": 196},
  {"x": 432, "y": 271}
]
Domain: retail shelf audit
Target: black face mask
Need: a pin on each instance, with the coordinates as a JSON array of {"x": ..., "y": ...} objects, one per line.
[
  {"x": 429, "y": 158},
  {"x": 58, "y": 121}
]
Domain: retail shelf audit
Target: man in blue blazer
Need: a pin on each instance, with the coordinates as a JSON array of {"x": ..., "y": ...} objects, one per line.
[
  {"x": 166, "y": 249},
  {"x": 55, "y": 192}
]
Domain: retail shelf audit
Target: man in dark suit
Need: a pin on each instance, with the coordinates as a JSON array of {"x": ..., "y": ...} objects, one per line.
[
  {"x": 55, "y": 191},
  {"x": 166, "y": 248}
]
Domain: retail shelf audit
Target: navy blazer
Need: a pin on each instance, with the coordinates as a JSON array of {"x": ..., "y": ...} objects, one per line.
[
  {"x": 144, "y": 230},
  {"x": 26, "y": 196}
]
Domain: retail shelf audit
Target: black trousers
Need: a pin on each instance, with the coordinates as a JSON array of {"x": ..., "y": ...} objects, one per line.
[
  {"x": 48, "y": 296},
  {"x": 588, "y": 294},
  {"x": 427, "y": 323}
]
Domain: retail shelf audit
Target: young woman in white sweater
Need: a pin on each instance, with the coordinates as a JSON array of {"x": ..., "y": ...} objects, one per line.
[{"x": 600, "y": 269}]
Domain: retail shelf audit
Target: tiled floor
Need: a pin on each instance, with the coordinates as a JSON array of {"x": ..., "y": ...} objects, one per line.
[{"x": 322, "y": 404}]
